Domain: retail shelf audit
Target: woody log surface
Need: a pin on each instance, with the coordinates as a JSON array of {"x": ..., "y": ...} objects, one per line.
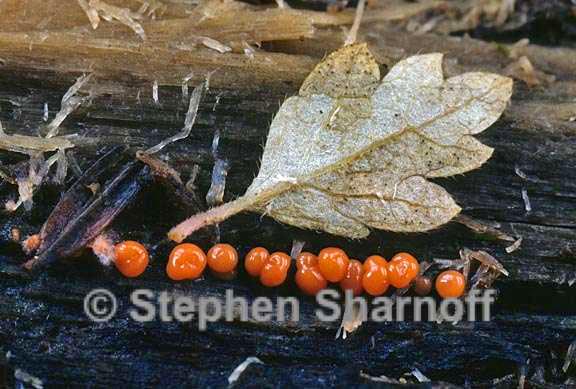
[{"x": 45, "y": 338}]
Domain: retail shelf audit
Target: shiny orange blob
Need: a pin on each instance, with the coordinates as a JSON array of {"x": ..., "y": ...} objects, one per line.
[
  {"x": 310, "y": 280},
  {"x": 186, "y": 262},
  {"x": 450, "y": 284},
  {"x": 273, "y": 275},
  {"x": 375, "y": 275},
  {"x": 402, "y": 270},
  {"x": 374, "y": 261},
  {"x": 255, "y": 260},
  {"x": 333, "y": 263},
  {"x": 131, "y": 258},
  {"x": 353, "y": 278},
  {"x": 306, "y": 259},
  {"x": 282, "y": 260},
  {"x": 375, "y": 281},
  {"x": 222, "y": 258}
]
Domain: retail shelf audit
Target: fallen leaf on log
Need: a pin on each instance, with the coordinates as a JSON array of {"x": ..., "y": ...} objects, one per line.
[{"x": 351, "y": 152}]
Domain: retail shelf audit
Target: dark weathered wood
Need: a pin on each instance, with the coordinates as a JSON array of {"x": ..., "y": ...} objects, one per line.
[{"x": 44, "y": 332}]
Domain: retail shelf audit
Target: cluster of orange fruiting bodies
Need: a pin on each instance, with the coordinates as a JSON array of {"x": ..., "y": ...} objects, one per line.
[{"x": 313, "y": 273}]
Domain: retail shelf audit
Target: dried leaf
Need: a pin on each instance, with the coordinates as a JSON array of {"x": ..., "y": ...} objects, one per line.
[{"x": 352, "y": 152}]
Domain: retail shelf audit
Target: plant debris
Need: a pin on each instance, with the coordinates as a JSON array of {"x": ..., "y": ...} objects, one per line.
[
  {"x": 84, "y": 212},
  {"x": 514, "y": 246},
  {"x": 96, "y": 9},
  {"x": 214, "y": 44},
  {"x": 38, "y": 169},
  {"x": 526, "y": 199},
  {"x": 31, "y": 243},
  {"x": 218, "y": 183},
  {"x": 82, "y": 215},
  {"x": 363, "y": 150},
  {"x": 22, "y": 376},
  {"x": 155, "y": 92},
  {"x": 523, "y": 70},
  {"x": 15, "y": 234},
  {"x": 353, "y": 317},
  {"x": 188, "y": 121},
  {"x": 46, "y": 113},
  {"x": 70, "y": 101},
  {"x": 185, "y": 85},
  {"x": 25, "y": 144},
  {"x": 570, "y": 356},
  {"x": 235, "y": 376},
  {"x": 522, "y": 372},
  {"x": 470, "y": 14},
  {"x": 419, "y": 376},
  {"x": 381, "y": 378},
  {"x": 484, "y": 258},
  {"x": 443, "y": 263},
  {"x": 35, "y": 147},
  {"x": 297, "y": 247},
  {"x": 483, "y": 229},
  {"x": 191, "y": 183},
  {"x": 152, "y": 8},
  {"x": 215, "y": 194},
  {"x": 103, "y": 248},
  {"x": 489, "y": 270}
]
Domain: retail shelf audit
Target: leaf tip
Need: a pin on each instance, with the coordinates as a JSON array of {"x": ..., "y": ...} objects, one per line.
[
  {"x": 349, "y": 71},
  {"x": 457, "y": 209}
]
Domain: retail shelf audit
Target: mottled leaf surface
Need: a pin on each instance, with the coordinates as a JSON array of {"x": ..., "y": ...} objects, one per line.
[{"x": 352, "y": 152}]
